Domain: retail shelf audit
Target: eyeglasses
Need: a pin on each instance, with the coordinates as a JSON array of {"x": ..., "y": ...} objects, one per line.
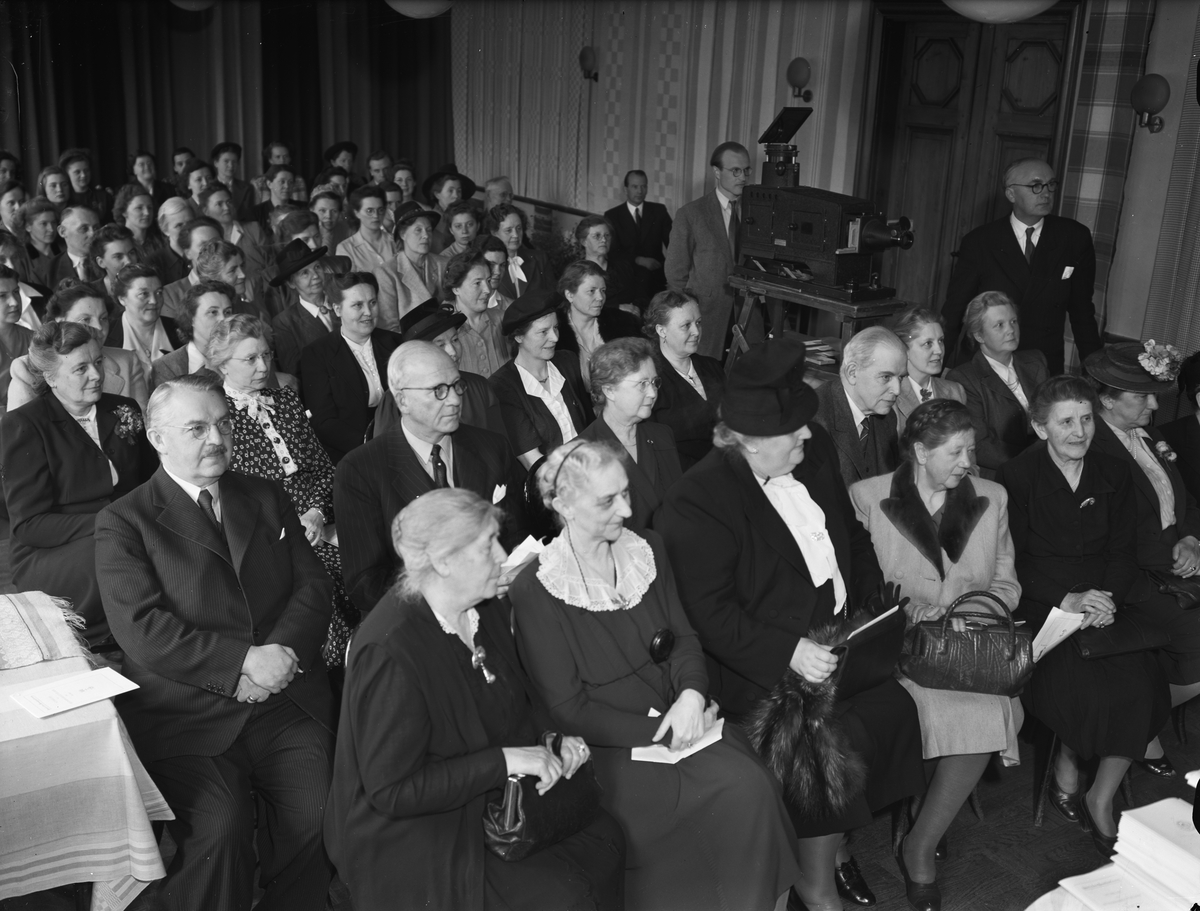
[
  {"x": 1038, "y": 187},
  {"x": 253, "y": 359},
  {"x": 738, "y": 172},
  {"x": 198, "y": 430},
  {"x": 441, "y": 390},
  {"x": 643, "y": 385}
]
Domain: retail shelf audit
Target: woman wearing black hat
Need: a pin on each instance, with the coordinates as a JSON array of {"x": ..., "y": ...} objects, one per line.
[
  {"x": 304, "y": 317},
  {"x": 767, "y": 551},
  {"x": 600, "y": 627},
  {"x": 1168, "y": 538},
  {"x": 541, "y": 392},
  {"x": 419, "y": 268}
]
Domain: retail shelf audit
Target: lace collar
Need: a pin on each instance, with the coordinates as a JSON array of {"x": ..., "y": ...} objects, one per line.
[
  {"x": 472, "y": 617},
  {"x": 560, "y": 573}
]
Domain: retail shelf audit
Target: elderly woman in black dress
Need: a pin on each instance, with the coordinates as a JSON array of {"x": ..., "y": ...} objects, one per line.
[
  {"x": 272, "y": 438},
  {"x": 66, "y": 455},
  {"x": 692, "y": 383},
  {"x": 767, "y": 550},
  {"x": 435, "y": 717},
  {"x": 1073, "y": 519},
  {"x": 600, "y": 627},
  {"x": 625, "y": 386}
]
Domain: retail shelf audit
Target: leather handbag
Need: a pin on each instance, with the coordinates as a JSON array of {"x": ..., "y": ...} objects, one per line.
[
  {"x": 1186, "y": 592},
  {"x": 1128, "y": 633},
  {"x": 524, "y": 822},
  {"x": 996, "y": 659},
  {"x": 868, "y": 656}
]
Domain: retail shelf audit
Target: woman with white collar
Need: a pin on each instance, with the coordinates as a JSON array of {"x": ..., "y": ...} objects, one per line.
[
  {"x": 140, "y": 328},
  {"x": 922, "y": 333}
]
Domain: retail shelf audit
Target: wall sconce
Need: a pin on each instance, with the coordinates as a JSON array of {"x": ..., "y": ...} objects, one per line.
[
  {"x": 799, "y": 71},
  {"x": 587, "y": 63},
  {"x": 1149, "y": 96}
]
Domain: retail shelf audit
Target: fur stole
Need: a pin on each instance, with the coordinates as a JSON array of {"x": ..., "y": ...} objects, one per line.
[
  {"x": 960, "y": 514},
  {"x": 795, "y": 730}
]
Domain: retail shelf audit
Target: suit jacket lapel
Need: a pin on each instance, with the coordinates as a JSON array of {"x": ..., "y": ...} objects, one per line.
[
  {"x": 469, "y": 471},
  {"x": 845, "y": 431},
  {"x": 1045, "y": 255},
  {"x": 409, "y": 478},
  {"x": 349, "y": 370},
  {"x": 1010, "y": 255},
  {"x": 716, "y": 220},
  {"x": 239, "y": 516},
  {"x": 182, "y": 515}
]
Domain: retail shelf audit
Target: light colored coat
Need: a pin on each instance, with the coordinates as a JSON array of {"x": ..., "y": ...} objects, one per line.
[{"x": 699, "y": 263}]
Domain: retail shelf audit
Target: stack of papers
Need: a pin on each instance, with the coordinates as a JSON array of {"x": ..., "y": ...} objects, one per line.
[
  {"x": 1157, "y": 865},
  {"x": 818, "y": 353},
  {"x": 1058, "y": 626}
]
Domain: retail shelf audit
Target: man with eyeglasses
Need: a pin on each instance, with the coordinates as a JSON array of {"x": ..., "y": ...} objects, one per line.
[
  {"x": 1045, "y": 263},
  {"x": 704, "y": 245},
  {"x": 221, "y": 608},
  {"x": 429, "y": 447}
]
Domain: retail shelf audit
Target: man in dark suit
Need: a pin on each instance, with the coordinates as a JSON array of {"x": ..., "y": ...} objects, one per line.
[
  {"x": 703, "y": 247},
  {"x": 1046, "y": 264},
  {"x": 428, "y": 448},
  {"x": 642, "y": 231},
  {"x": 76, "y": 228},
  {"x": 221, "y": 607},
  {"x": 856, "y": 408}
]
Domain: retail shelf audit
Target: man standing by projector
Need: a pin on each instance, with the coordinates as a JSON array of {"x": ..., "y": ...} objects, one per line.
[
  {"x": 704, "y": 245},
  {"x": 1044, "y": 262}
]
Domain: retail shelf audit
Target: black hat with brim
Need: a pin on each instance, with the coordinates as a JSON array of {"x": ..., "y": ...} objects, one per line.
[
  {"x": 294, "y": 257},
  {"x": 411, "y": 211},
  {"x": 338, "y": 148},
  {"x": 1118, "y": 366},
  {"x": 448, "y": 170},
  {"x": 425, "y": 322},
  {"x": 765, "y": 395},
  {"x": 528, "y": 307}
]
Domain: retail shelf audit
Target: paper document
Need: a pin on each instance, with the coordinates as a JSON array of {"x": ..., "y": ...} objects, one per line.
[
  {"x": 1109, "y": 889},
  {"x": 866, "y": 626},
  {"x": 530, "y": 547},
  {"x": 73, "y": 692},
  {"x": 1058, "y": 626},
  {"x": 660, "y": 753}
]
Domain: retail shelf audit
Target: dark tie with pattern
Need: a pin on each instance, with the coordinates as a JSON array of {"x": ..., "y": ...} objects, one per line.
[
  {"x": 439, "y": 467},
  {"x": 926, "y": 395},
  {"x": 864, "y": 433},
  {"x": 1029, "y": 245},
  {"x": 734, "y": 228},
  {"x": 637, "y": 217},
  {"x": 205, "y": 500}
]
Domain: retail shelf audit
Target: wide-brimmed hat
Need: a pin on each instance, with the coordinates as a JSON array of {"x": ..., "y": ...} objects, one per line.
[
  {"x": 410, "y": 212},
  {"x": 447, "y": 170},
  {"x": 529, "y": 306},
  {"x": 427, "y": 321},
  {"x": 294, "y": 257},
  {"x": 766, "y": 395},
  {"x": 339, "y": 147},
  {"x": 1118, "y": 366}
]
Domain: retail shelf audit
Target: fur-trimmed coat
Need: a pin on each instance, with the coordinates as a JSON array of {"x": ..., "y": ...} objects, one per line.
[{"x": 972, "y": 548}]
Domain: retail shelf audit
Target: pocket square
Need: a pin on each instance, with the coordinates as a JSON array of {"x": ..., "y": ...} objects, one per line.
[
  {"x": 282, "y": 533},
  {"x": 1068, "y": 272},
  {"x": 499, "y": 493}
]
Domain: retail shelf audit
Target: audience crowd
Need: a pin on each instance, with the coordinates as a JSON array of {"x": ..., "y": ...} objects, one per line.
[{"x": 276, "y": 444}]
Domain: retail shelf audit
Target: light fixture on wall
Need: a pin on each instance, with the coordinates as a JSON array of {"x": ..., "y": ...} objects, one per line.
[
  {"x": 1149, "y": 96},
  {"x": 799, "y": 71},
  {"x": 420, "y": 9},
  {"x": 587, "y": 63},
  {"x": 194, "y": 6},
  {"x": 999, "y": 12}
]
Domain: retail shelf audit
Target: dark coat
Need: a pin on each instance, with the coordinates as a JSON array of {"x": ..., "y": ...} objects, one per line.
[
  {"x": 743, "y": 580},
  {"x": 185, "y": 642},
  {"x": 656, "y": 470},
  {"x": 649, "y": 239},
  {"x": 530, "y": 423},
  {"x": 1154, "y": 543},
  {"x": 613, "y": 323},
  {"x": 834, "y": 414},
  {"x": 480, "y": 407},
  {"x": 679, "y": 406},
  {"x": 244, "y": 198},
  {"x": 990, "y": 259},
  {"x": 377, "y": 480},
  {"x": 1184, "y": 437},
  {"x": 538, "y": 272},
  {"x": 295, "y": 329},
  {"x": 116, "y": 331},
  {"x": 336, "y": 391},
  {"x": 50, "y": 270},
  {"x": 699, "y": 263},
  {"x": 55, "y": 482},
  {"x": 171, "y": 267},
  {"x": 1002, "y": 427}
]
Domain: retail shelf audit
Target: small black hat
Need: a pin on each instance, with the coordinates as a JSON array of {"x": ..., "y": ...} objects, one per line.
[
  {"x": 1118, "y": 366},
  {"x": 294, "y": 257},
  {"x": 766, "y": 395},
  {"x": 427, "y": 321},
  {"x": 338, "y": 147},
  {"x": 411, "y": 211},
  {"x": 529, "y": 306},
  {"x": 447, "y": 170}
]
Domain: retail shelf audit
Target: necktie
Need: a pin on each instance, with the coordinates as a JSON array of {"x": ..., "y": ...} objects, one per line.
[
  {"x": 1029, "y": 245},
  {"x": 439, "y": 467},
  {"x": 926, "y": 395},
  {"x": 864, "y": 432},
  {"x": 81, "y": 270},
  {"x": 734, "y": 226},
  {"x": 637, "y": 217},
  {"x": 206, "y": 506}
]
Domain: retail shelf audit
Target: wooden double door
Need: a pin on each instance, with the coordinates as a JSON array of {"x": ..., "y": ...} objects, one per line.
[{"x": 956, "y": 102}]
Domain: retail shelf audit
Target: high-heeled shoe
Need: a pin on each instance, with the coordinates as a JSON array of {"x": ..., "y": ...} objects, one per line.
[
  {"x": 1162, "y": 766},
  {"x": 1066, "y": 803},
  {"x": 922, "y": 896},
  {"x": 851, "y": 885},
  {"x": 1105, "y": 844}
]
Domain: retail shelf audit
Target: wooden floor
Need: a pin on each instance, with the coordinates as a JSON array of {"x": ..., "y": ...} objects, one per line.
[{"x": 999, "y": 863}]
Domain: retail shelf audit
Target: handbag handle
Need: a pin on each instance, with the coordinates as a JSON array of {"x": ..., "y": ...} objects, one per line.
[{"x": 974, "y": 596}]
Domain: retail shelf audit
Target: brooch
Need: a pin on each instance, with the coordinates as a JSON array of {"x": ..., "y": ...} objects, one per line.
[
  {"x": 477, "y": 659},
  {"x": 1090, "y": 501},
  {"x": 1165, "y": 452},
  {"x": 129, "y": 422}
]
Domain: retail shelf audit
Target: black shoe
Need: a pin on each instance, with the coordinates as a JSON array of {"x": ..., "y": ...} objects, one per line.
[
  {"x": 922, "y": 896},
  {"x": 851, "y": 885},
  {"x": 1161, "y": 766},
  {"x": 1105, "y": 844},
  {"x": 1066, "y": 804},
  {"x": 794, "y": 902},
  {"x": 942, "y": 851}
]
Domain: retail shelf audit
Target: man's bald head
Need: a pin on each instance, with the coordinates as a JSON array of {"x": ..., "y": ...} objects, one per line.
[{"x": 415, "y": 372}]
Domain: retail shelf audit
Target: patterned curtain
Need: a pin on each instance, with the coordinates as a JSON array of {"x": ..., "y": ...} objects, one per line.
[
  {"x": 1171, "y": 312},
  {"x": 1114, "y": 58}
]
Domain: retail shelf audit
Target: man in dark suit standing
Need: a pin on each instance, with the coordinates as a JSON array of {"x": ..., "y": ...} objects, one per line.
[
  {"x": 704, "y": 242},
  {"x": 856, "y": 408},
  {"x": 221, "y": 608},
  {"x": 428, "y": 448},
  {"x": 642, "y": 231},
  {"x": 1046, "y": 264}
]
